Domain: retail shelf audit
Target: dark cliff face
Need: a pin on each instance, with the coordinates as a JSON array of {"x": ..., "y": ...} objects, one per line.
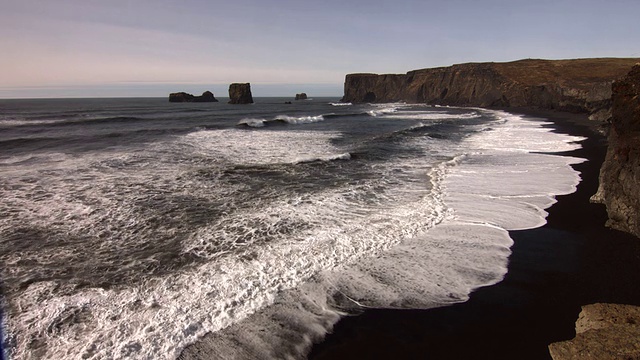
[
  {"x": 240, "y": 93},
  {"x": 620, "y": 174},
  {"x": 581, "y": 85}
]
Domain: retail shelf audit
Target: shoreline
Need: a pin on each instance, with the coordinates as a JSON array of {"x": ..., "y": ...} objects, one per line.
[{"x": 572, "y": 260}]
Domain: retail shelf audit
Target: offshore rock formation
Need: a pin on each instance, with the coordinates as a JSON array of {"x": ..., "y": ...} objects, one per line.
[
  {"x": 301, "y": 96},
  {"x": 603, "y": 331},
  {"x": 206, "y": 96},
  {"x": 240, "y": 93},
  {"x": 580, "y": 85},
  {"x": 620, "y": 173}
]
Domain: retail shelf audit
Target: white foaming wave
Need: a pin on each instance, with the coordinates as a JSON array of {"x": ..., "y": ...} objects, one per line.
[
  {"x": 404, "y": 115},
  {"x": 262, "y": 147},
  {"x": 340, "y": 104},
  {"x": 376, "y": 113},
  {"x": 294, "y": 120},
  {"x": 518, "y": 134},
  {"x": 393, "y": 104},
  {"x": 8, "y": 122},
  {"x": 507, "y": 181},
  {"x": 299, "y": 119},
  {"x": 374, "y": 256},
  {"x": 160, "y": 317},
  {"x": 331, "y": 157},
  {"x": 252, "y": 122},
  {"x": 386, "y": 108},
  {"x": 489, "y": 190}
]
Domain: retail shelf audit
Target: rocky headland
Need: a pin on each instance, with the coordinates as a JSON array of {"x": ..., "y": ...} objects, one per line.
[
  {"x": 604, "y": 89},
  {"x": 206, "y": 96},
  {"x": 612, "y": 331},
  {"x": 620, "y": 174},
  {"x": 240, "y": 93},
  {"x": 579, "y": 85}
]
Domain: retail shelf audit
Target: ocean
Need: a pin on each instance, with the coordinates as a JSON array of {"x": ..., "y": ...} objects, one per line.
[{"x": 137, "y": 228}]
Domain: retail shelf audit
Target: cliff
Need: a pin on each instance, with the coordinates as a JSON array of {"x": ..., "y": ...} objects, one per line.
[
  {"x": 603, "y": 331},
  {"x": 206, "y": 96},
  {"x": 580, "y": 85},
  {"x": 240, "y": 93},
  {"x": 620, "y": 173}
]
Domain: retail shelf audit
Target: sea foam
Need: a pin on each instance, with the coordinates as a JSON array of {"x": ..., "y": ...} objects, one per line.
[
  {"x": 385, "y": 243},
  {"x": 485, "y": 193}
]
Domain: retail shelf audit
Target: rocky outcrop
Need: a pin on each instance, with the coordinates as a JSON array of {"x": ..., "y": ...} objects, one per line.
[
  {"x": 580, "y": 85},
  {"x": 620, "y": 173},
  {"x": 603, "y": 331},
  {"x": 301, "y": 96},
  {"x": 240, "y": 93},
  {"x": 206, "y": 96}
]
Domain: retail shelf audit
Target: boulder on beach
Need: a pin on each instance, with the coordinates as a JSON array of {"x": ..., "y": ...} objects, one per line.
[
  {"x": 206, "y": 96},
  {"x": 301, "y": 96},
  {"x": 240, "y": 93}
]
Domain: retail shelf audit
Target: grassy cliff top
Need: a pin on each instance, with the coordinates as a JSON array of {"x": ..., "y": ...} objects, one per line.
[
  {"x": 576, "y": 71},
  {"x": 579, "y": 73}
]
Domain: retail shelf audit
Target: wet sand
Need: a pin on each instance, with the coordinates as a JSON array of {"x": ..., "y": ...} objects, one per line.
[{"x": 572, "y": 261}]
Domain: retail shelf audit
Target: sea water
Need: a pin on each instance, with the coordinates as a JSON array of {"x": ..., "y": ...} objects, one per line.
[{"x": 133, "y": 228}]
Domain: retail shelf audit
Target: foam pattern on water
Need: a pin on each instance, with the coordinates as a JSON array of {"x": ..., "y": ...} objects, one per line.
[
  {"x": 485, "y": 193},
  {"x": 266, "y": 274}
]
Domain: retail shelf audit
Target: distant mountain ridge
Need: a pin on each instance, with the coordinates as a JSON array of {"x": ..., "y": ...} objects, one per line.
[{"x": 577, "y": 85}]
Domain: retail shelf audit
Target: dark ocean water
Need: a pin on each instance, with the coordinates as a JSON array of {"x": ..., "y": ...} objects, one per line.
[{"x": 131, "y": 228}]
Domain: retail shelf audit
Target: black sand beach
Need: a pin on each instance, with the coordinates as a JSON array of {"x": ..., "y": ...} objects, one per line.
[{"x": 572, "y": 261}]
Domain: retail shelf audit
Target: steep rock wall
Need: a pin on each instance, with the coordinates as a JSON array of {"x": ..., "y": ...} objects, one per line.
[
  {"x": 240, "y": 93},
  {"x": 580, "y": 85},
  {"x": 620, "y": 173}
]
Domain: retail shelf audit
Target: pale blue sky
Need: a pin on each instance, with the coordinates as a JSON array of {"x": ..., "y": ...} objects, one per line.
[{"x": 52, "y": 48}]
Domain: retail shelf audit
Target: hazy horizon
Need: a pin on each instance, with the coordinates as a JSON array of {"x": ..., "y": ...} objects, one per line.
[
  {"x": 163, "y": 90},
  {"x": 73, "y": 48}
]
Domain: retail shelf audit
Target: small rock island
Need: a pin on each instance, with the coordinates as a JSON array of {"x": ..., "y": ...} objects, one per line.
[
  {"x": 240, "y": 93},
  {"x": 301, "y": 96},
  {"x": 206, "y": 96}
]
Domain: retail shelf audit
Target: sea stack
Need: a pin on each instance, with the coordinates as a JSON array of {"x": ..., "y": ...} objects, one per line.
[
  {"x": 206, "y": 96},
  {"x": 240, "y": 93},
  {"x": 301, "y": 96}
]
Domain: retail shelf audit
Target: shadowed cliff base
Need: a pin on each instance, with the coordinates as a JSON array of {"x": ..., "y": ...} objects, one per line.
[
  {"x": 572, "y": 261},
  {"x": 579, "y": 85}
]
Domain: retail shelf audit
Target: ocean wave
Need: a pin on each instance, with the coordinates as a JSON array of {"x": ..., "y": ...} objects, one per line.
[
  {"x": 15, "y": 122},
  {"x": 275, "y": 269},
  {"x": 340, "y": 104},
  {"x": 282, "y": 119},
  {"x": 331, "y": 157},
  {"x": 376, "y": 113},
  {"x": 299, "y": 119},
  {"x": 421, "y": 115},
  {"x": 252, "y": 122}
]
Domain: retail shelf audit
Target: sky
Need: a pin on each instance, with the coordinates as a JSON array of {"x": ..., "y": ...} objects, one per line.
[{"x": 105, "y": 48}]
